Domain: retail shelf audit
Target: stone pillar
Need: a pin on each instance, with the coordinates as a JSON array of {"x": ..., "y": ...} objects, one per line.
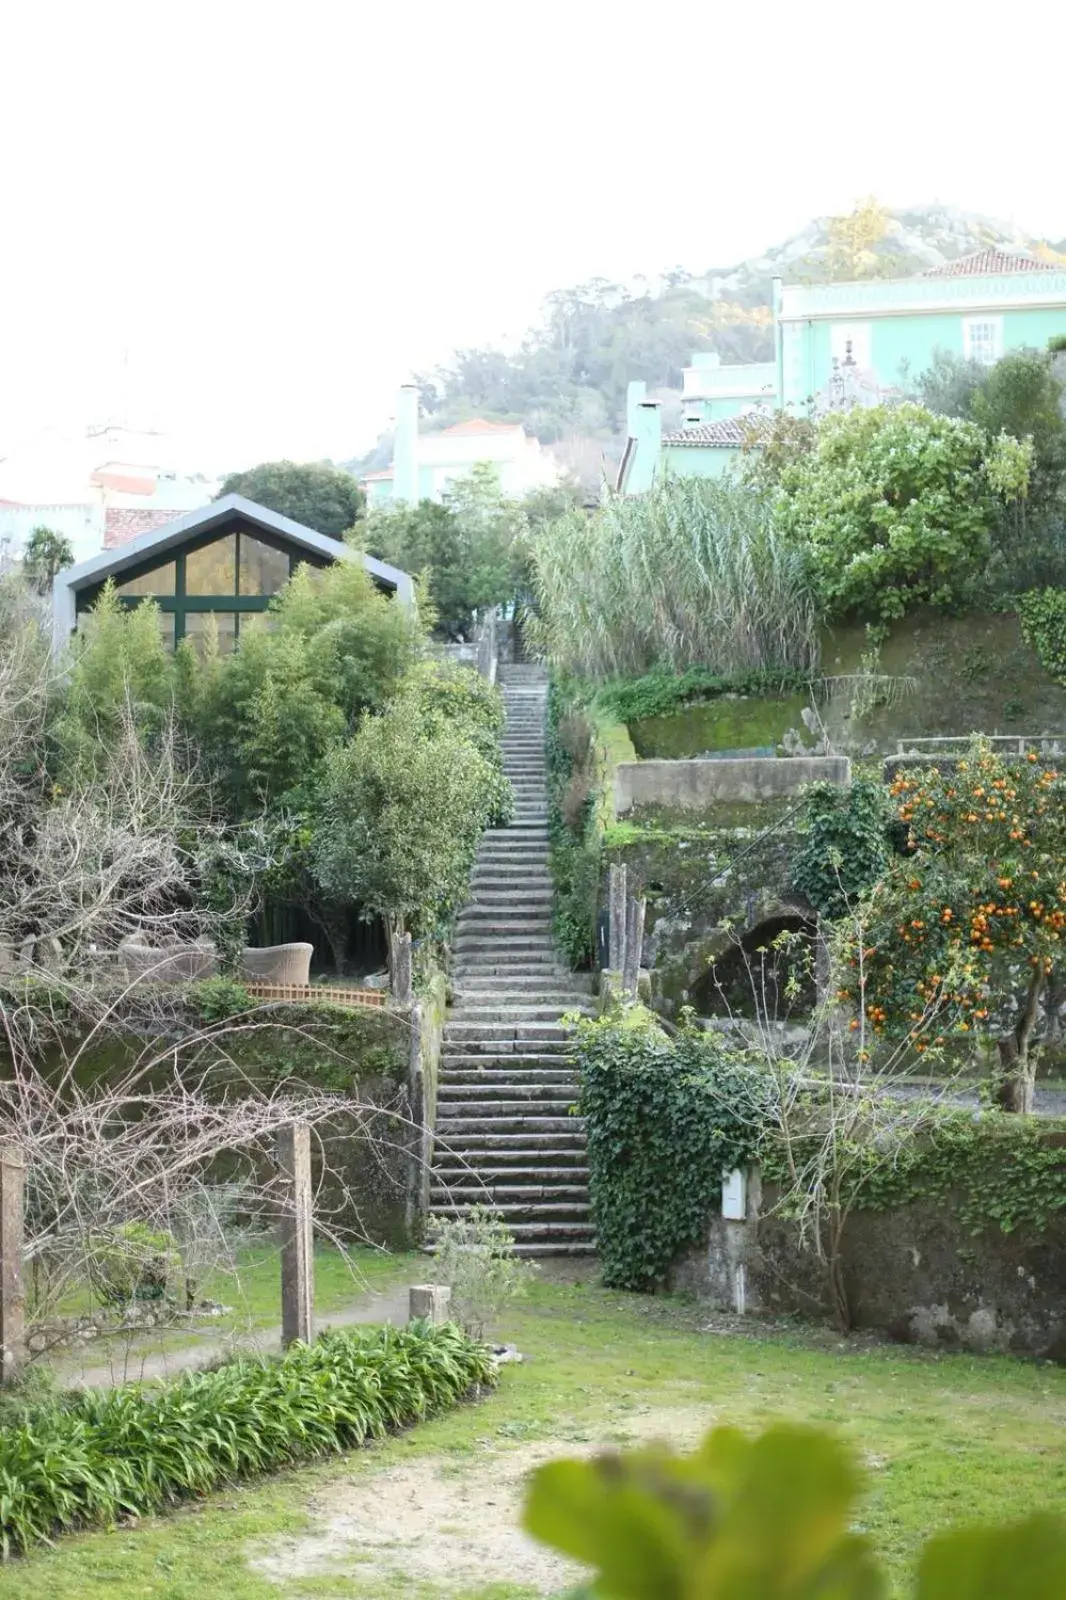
[
  {"x": 401, "y": 969},
  {"x": 297, "y": 1254},
  {"x": 12, "y": 1298},
  {"x": 635, "y": 912},
  {"x": 617, "y": 893},
  {"x": 430, "y": 1302}
]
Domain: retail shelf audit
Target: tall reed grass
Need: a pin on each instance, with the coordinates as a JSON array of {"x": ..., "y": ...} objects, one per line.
[{"x": 693, "y": 573}]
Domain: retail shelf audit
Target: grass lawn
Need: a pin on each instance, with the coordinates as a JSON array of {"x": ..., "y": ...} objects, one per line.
[
  {"x": 252, "y": 1295},
  {"x": 947, "y": 1438}
]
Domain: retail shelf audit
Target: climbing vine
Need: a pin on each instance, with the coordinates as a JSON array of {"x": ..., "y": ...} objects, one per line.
[
  {"x": 666, "y": 1119},
  {"x": 844, "y": 848},
  {"x": 1042, "y": 613}
]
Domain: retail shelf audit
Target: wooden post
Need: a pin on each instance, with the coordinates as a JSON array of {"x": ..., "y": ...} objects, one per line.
[
  {"x": 297, "y": 1255},
  {"x": 617, "y": 904},
  {"x": 634, "y": 946},
  {"x": 12, "y": 1298}
]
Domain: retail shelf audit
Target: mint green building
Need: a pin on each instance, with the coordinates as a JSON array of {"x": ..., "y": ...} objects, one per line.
[
  {"x": 978, "y": 307},
  {"x": 846, "y": 343}
]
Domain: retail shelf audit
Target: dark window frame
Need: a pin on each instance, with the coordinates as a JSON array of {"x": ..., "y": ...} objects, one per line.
[{"x": 179, "y": 603}]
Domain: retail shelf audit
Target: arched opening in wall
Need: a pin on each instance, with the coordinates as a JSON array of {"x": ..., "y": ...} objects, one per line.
[{"x": 765, "y": 974}]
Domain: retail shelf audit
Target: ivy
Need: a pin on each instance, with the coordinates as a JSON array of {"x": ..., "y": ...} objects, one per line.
[
  {"x": 1042, "y": 613},
  {"x": 845, "y": 845},
  {"x": 576, "y": 845},
  {"x": 666, "y": 1119},
  {"x": 990, "y": 1171},
  {"x": 1002, "y": 1171}
]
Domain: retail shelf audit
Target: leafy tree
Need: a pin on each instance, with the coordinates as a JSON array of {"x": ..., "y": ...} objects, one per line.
[
  {"x": 467, "y": 548},
  {"x": 119, "y": 663},
  {"x": 332, "y": 647},
  {"x": 853, "y": 239},
  {"x": 897, "y": 506},
  {"x": 1021, "y": 396},
  {"x": 315, "y": 493},
  {"x": 963, "y": 934},
  {"x": 46, "y": 554},
  {"x": 405, "y": 803}
]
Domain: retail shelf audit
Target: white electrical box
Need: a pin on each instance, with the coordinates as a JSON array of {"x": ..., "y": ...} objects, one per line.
[{"x": 735, "y": 1196}]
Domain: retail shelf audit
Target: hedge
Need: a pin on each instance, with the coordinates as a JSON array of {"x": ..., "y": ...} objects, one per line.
[{"x": 130, "y": 1451}]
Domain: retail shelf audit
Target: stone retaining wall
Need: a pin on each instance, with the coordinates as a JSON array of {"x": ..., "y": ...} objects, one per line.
[
  {"x": 708, "y": 782},
  {"x": 915, "y": 1273}
]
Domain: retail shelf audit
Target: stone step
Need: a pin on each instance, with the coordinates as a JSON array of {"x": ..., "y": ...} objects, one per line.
[
  {"x": 507, "y": 1082},
  {"x": 491, "y": 923},
  {"x": 470, "y": 1191},
  {"x": 485, "y": 1061},
  {"x": 513, "y": 1013},
  {"x": 521, "y": 983},
  {"x": 502, "y": 1092},
  {"x": 519, "y": 945},
  {"x": 519, "y": 1213},
  {"x": 469, "y": 1039},
  {"x": 531, "y": 1145},
  {"x": 476, "y": 967},
  {"x": 519, "y": 1125}
]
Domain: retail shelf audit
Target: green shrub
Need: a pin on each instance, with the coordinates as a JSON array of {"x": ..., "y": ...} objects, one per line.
[
  {"x": 666, "y": 1119},
  {"x": 132, "y": 1262},
  {"x": 897, "y": 506},
  {"x": 1057, "y": 342},
  {"x": 137, "y": 1449},
  {"x": 474, "y": 1255},
  {"x": 216, "y": 999},
  {"x": 574, "y": 831}
]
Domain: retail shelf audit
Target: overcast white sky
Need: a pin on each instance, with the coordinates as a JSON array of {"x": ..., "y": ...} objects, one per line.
[{"x": 279, "y": 210}]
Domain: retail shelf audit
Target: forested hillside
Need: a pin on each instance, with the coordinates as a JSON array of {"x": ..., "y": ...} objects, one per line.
[{"x": 567, "y": 381}]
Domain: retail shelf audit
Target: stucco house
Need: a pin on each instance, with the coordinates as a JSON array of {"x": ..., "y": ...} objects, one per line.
[
  {"x": 426, "y": 465},
  {"x": 210, "y": 568},
  {"x": 851, "y": 343}
]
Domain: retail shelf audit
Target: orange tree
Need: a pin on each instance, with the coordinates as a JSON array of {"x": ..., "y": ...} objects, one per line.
[{"x": 961, "y": 935}]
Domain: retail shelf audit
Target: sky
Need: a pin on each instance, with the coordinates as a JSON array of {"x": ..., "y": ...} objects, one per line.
[{"x": 246, "y": 224}]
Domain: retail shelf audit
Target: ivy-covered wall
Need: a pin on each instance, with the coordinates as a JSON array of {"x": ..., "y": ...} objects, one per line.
[{"x": 961, "y": 1245}]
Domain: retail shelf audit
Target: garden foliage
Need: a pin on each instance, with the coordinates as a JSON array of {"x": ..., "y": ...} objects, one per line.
[
  {"x": 962, "y": 934},
  {"x": 1042, "y": 613},
  {"x": 474, "y": 1254},
  {"x": 693, "y": 573},
  {"x": 666, "y": 1120},
  {"x": 844, "y": 848},
  {"x": 771, "y": 1518},
  {"x": 103, "y": 1455},
  {"x": 896, "y": 506}
]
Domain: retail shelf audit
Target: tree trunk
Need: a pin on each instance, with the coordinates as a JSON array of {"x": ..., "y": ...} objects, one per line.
[{"x": 1017, "y": 1068}]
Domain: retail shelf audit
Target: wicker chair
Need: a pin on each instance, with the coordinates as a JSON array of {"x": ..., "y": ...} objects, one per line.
[{"x": 280, "y": 965}]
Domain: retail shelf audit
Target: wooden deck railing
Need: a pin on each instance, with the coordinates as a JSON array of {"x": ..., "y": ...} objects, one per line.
[{"x": 302, "y": 993}]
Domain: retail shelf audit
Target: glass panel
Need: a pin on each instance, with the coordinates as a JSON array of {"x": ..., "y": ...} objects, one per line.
[
  {"x": 213, "y": 568},
  {"x": 211, "y": 632},
  {"x": 263, "y": 569},
  {"x": 159, "y": 580},
  {"x": 166, "y": 628}
]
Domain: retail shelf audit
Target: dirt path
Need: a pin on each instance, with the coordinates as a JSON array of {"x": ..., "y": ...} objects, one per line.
[
  {"x": 452, "y": 1523},
  {"x": 135, "y": 1366}
]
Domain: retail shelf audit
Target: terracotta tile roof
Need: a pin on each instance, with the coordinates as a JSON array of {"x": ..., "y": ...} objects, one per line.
[
  {"x": 479, "y": 425},
  {"x": 377, "y": 477},
  {"x": 986, "y": 263},
  {"x": 726, "y": 433}
]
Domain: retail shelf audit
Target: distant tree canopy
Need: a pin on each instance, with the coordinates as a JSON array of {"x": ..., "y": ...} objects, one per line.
[
  {"x": 570, "y": 374},
  {"x": 46, "y": 553},
  {"x": 318, "y": 495}
]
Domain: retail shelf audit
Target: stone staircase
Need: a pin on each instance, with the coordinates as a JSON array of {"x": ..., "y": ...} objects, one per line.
[{"x": 505, "y": 1136}]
